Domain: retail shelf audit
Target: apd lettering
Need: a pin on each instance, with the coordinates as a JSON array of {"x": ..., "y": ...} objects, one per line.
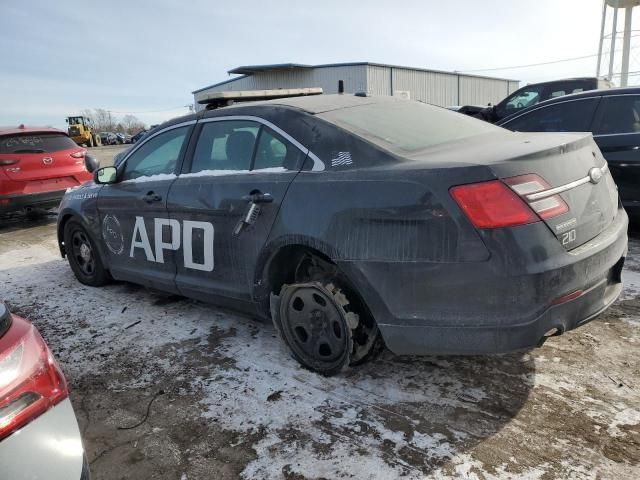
[{"x": 140, "y": 239}]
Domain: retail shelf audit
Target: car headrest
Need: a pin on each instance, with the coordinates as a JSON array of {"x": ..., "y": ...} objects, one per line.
[{"x": 239, "y": 148}]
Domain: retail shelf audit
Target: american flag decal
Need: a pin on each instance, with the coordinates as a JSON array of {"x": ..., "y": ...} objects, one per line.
[{"x": 343, "y": 158}]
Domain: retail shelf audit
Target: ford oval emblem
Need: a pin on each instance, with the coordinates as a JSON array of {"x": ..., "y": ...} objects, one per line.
[{"x": 595, "y": 174}]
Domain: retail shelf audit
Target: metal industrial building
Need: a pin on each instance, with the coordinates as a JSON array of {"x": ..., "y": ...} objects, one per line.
[{"x": 430, "y": 86}]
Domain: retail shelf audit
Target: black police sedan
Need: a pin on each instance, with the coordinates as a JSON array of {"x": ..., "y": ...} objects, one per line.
[
  {"x": 348, "y": 219},
  {"x": 613, "y": 115}
]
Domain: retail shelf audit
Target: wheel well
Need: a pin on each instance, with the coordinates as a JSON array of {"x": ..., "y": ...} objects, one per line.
[
  {"x": 299, "y": 263},
  {"x": 61, "y": 225},
  {"x": 285, "y": 264}
]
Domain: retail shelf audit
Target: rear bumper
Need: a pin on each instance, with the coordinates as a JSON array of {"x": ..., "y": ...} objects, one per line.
[
  {"x": 501, "y": 305},
  {"x": 12, "y": 203},
  {"x": 49, "y": 447}
]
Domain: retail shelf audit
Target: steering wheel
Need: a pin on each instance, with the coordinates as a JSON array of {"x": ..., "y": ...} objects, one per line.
[{"x": 519, "y": 105}]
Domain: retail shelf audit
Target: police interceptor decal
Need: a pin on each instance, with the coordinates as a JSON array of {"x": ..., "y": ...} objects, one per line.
[{"x": 182, "y": 233}]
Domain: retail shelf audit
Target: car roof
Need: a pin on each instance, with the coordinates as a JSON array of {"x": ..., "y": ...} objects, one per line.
[
  {"x": 24, "y": 129},
  {"x": 603, "y": 92}
]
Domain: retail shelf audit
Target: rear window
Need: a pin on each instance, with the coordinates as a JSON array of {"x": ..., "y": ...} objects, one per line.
[
  {"x": 405, "y": 126},
  {"x": 35, "y": 143}
]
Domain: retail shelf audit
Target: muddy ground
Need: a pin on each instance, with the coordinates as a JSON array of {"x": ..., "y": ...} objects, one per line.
[{"x": 226, "y": 401}]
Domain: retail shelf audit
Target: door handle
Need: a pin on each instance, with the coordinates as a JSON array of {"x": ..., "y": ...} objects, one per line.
[
  {"x": 258, "y": 197},
  {"x": 252, "y": 213},
  {"x": 151, "y": 197}
]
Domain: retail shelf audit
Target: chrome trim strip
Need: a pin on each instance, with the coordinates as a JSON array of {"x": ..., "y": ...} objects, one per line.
[
  {"x": 614, "y": 134},
  {"x": 563, "y": 188},
  {"x": 318, "y": 165},
  {"x": 146, "y": 139}
]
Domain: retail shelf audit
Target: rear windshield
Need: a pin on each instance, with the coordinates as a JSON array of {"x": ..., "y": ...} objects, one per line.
[
  {"x": 35, "y": 143},
  {"x": 404, "y": 126}
]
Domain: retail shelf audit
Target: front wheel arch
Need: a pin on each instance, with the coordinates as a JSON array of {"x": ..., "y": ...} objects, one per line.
[{"x": 64, "y": 219}]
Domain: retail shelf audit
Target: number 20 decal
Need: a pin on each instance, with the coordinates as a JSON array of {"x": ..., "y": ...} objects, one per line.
[{"x": 568, "y": 237}]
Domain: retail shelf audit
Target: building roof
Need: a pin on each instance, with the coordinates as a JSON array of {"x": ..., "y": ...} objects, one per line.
[
  {"x": 251, "y": 69},
  {"x": 247, "y": 70}
]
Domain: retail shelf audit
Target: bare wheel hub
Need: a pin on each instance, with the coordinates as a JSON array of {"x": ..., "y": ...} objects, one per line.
[
  {"x": 314, "y": 324},
  {"x": 85, "y": 252}
]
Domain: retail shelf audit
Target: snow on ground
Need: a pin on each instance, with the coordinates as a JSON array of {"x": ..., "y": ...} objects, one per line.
[{"x": 568, "y": 410}]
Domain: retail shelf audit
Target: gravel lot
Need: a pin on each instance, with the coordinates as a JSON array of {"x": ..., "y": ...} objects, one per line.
[
  {"x": 230, "y": 402},
  {"x": 105, "y": 154}
]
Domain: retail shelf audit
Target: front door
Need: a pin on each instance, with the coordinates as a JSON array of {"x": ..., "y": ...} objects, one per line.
[
  {"x": 135, "y": 224},
  {"x": 237, "y": 165}
]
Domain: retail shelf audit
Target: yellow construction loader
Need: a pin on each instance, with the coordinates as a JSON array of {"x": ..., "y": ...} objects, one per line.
[{"x": 82, "y": 131}]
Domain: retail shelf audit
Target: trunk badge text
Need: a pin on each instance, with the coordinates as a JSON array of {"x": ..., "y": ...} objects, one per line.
[
  {"x": 595, "y": 174},
  {"x": 47, "y": 160}
]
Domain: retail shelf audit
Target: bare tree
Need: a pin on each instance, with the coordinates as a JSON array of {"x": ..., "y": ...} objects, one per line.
[
  {"x": 106, "y": 122},
  {"x": 132, "y": 124}
]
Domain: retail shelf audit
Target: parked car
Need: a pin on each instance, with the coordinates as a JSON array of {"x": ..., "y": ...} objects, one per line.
[
  {"x": 535, "y": 93},
  {"x": 612, "y": 115},
  {"x": 37, "y": 165},
  {"x": 346, "y": 218},
  {"x": 138, "y": 136},
  {"x": 108, "y": 138},
  {"x": 39, "y": 435}
]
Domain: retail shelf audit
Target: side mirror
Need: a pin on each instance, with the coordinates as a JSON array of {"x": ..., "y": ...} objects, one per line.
[
  {"x": 91, "y": 163},
  {"x": 105, "y": 175}
]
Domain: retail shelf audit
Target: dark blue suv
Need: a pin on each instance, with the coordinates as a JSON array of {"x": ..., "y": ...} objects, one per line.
[{"x": 612, "y": 115}]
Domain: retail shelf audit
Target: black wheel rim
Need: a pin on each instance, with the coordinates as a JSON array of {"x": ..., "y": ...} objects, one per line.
[
  {"x": 315, "y": 326},
  {"x": 83, "y": 253}
]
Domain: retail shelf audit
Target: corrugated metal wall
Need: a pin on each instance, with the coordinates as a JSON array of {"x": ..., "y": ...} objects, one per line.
[
  {"x": 430, "y": 87},
  {"x": 438, "y": 88}
]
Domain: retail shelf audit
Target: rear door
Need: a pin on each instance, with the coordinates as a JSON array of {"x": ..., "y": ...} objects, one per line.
[
  {"x": 135, "y": 226},
  {"x": 617, "y": 132},
  {"x": 233, "y": 158},
  {"x": 43, "y": 160}
]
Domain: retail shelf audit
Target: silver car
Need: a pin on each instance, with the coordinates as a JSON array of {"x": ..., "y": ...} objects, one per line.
[{"x": 39, "y": 435}]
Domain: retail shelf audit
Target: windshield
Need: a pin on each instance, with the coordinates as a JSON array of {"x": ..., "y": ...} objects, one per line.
[
  {"x": 36, "y": 143},
  {"x": 405, "y": 126}
]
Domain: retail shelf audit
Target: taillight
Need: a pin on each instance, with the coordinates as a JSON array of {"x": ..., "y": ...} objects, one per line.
[
  {"x": 546, "y": 207},
  {"x": 7, "y": 161},
  {"x": 79, "y": 154},
  {"x": 492, "y": 205},
  {"x": 31, "y": 381}
]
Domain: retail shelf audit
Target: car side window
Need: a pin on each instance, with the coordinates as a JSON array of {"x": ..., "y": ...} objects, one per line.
[
  {"x": 158, "y": 155},
  {"x": 620, "y": 114},
  {"x": 573, "y": 116},
  {"x": 524, "y": 98},
  {"x": 275, "y": 152},
  {"x": 225, "y": 145}
]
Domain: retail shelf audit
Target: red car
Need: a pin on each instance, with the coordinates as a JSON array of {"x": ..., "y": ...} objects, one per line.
[{"x": 37, "y": 165}]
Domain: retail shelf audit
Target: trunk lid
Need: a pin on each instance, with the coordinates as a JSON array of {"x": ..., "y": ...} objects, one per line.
[{"x": 571, "y": 165}]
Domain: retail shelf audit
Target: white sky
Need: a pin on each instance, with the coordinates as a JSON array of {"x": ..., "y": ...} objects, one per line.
[{"x": 133, "y": 57}]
